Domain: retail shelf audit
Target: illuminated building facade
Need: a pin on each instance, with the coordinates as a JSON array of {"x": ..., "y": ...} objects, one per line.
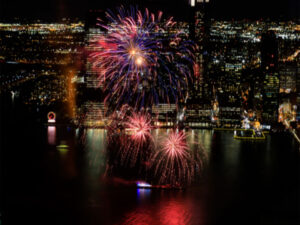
[
  {"x": 164, "y": 115},
  {"x": 230, "y": 56},
  {"x": 269, "y": 66},
  {"x": 288, "y": 77},
  {"x": 200, "y": 95}
]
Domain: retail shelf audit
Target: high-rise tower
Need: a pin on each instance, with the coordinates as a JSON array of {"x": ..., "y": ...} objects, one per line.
[
  {"x": 199, "y": 32},
  {"x": 199, "y": 107},
  {"x": 269, "y": 66}
]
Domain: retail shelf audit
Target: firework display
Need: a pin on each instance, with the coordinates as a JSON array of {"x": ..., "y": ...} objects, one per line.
[
  {"x": 133, "y": 151},
  {"x": 139, "y": 62},
  {"x": 173, "y": 162},
  {"x": 130, "y": 138},
  {"x": 139, "y": 127},
  {"x": 167, "y": 160}
]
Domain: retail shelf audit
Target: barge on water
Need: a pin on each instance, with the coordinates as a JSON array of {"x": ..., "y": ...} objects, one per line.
[{"x": 249, "y": 134}]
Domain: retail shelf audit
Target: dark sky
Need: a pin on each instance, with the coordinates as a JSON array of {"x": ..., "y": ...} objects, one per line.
[{"x": 221, "y": 9}]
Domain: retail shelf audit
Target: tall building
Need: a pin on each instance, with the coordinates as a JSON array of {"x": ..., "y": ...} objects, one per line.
[
  {"x": 200, "y": 95},
  {"x": 269, "y": 66},
  {"x": 199, "y": 32},
  {"x": 288, "y": 77},
  {"x": 289, "y": 73},
  {"x": 90, "y": 106}
]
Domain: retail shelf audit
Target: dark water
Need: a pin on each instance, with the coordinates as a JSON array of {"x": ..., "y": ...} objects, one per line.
[{"x": 243, "y": 182}]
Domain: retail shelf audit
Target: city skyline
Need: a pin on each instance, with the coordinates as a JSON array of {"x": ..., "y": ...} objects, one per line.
[
  {"x": 145, "y": 118},
  {"x": 229, "y": 79}
]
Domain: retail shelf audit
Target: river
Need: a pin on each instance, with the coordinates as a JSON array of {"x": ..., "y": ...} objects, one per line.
[{"x": 43, "y": 182}]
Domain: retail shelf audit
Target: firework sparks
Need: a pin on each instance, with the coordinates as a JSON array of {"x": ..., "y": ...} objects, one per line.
[
  {"x": 175, "y": 145},
  {"x": 131, "y": 132},
  {"x": 139, "y": 141},
  {"x": 139, "y": 61},
  {"x": 139, "y": 127},
  {"x": 173, "y": 162}
]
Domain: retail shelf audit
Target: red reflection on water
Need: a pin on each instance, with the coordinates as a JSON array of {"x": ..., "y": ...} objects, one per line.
[
  {"x": 175, "y": 213},
  {"x": 140, "y": 217},
  {"x": 165, "y": 212}
]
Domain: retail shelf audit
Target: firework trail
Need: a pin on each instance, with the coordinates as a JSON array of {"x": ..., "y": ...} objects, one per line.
[
  {"x": 173, "y": 162},
  {"x": 141, "y": 59}
]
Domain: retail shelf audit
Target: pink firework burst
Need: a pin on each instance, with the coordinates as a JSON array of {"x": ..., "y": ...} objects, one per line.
[
  {"x": 175, "y": 145},
  {"x": 137, "y": 141},
  {"x": 130, "y": 137},
  {"x": 138, "y": 126},
  {"x": 142, "y": 59},
  {"x": 173, "y": 162}
]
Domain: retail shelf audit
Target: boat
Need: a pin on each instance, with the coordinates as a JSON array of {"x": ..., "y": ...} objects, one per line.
[
  {"x": 144, "y": 185},
  {"x": 249, "y": 134}
]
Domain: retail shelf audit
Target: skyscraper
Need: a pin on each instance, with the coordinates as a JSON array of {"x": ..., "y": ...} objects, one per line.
[
  {"x": 199, "y": 32},
  {"x": 269, "y": 66},
  {"x": 200, "y": 96}
]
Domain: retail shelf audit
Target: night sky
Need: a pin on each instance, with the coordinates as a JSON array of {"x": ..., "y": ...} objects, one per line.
[{"x": 54, "y": 10}]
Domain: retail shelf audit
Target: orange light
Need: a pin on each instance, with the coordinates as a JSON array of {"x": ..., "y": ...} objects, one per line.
[{"x": 132, "y": 52}]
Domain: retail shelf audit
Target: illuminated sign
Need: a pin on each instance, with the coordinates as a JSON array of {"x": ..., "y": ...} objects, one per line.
[{"x": 51, "y": 117}]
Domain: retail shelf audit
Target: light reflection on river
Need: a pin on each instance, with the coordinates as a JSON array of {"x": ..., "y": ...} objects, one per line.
[
  {"x": 94, "y": 145},
  {"x": 242, "y": 183}
]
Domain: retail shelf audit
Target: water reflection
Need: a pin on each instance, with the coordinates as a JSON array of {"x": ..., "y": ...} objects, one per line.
[
  {"x": 240, "y": 179},
  {"x": 95, "y": 155},
  {"x": 244, "y": 183},
  {"x": 166, "y": 208},
  {"x": 95, "y": 147},
  {"x": 51, "y": 134},
  {"x": 143, "y": 194}
]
